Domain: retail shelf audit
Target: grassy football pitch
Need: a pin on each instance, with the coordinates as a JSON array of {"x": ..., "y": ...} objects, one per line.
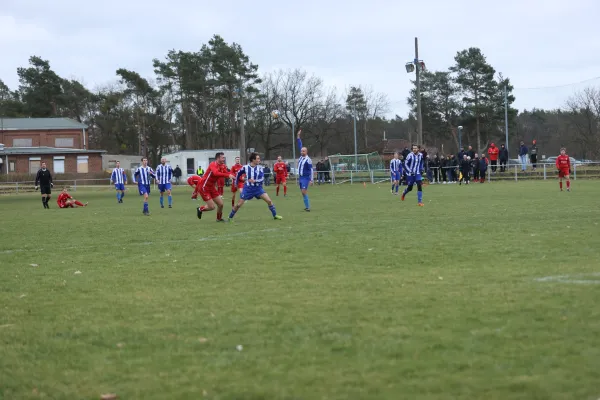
[{"x": 488, "y": 292}]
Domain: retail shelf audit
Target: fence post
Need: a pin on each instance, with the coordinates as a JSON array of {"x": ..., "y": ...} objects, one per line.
[
  {"x": 75, "y": 186},
  {"x": 575, "y": 171},
  {"x": 544, "y": 171},
  {"x": 516, "y": 179},
  {"x": 351, "y": 180},
  {"x": 372, "y": 177},
  {"x": 17, "y": 188}
]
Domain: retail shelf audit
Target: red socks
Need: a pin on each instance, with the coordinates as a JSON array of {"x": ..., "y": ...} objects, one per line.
[
  {"x": 285, "y": 190},
  {"x": 77, "y": 202},
  {"x": 219, "y": 215},
  {"x": 568, "y": 184},
  {"x": 560, "y": 184},
  {"x": 277, "y": 190}
]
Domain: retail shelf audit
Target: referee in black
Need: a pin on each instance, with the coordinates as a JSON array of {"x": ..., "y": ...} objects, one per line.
[{"x": 43, "y": 179}]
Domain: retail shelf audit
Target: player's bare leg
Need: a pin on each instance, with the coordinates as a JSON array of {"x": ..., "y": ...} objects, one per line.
[
  {"x": 219, "y": 203},
  {"x": 209, "y": 206},
  {"x": 269, "y": 202}
]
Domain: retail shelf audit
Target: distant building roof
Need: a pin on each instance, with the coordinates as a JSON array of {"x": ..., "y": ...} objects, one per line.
[
  {"x": 14, "y": 124},
  {"x": 11, "y": 151}
]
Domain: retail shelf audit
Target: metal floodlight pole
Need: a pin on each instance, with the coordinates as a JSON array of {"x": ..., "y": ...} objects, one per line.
[
  {"x": 418, "y": 83},
  {"x": 506, "y": 117},
  {"x": 460, "y": 129},
  {"x": 294, "y": 141},
  {"x": 242, "y": 130},
  {"x": 355, "y": 142}
]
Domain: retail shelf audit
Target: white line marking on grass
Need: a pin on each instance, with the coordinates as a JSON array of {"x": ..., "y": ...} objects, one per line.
[
  {"x": 197, "y": 239},
  {"x": 580, "y": 279}
]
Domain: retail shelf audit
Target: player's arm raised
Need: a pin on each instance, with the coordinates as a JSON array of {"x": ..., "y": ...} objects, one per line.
[{"x": 299, "y": 140}]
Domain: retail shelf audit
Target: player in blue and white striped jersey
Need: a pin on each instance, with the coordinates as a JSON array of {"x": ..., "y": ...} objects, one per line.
[
  {"x": 305, "y": 171},
  {"x": 142, "y": 176},
  {"x": 253, "y": 187},
  {"x": 414, "y": 166},
  {"x": 164, "y": 174},
  {"x": 119, "y": 179},
  {"x": 396, "y": 172}
]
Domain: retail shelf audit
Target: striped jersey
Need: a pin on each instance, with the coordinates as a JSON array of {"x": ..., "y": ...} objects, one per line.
[
  {"x": 396, "y": 165},
  {"x": 118, "y": 176},
  {"x": 164, "y": 174},
  {"x": 251, "y": 172},
  {"x": 142, "y": 175},
  {"x": 305, "y": 166},
  {"x": 414, "y": 164}
]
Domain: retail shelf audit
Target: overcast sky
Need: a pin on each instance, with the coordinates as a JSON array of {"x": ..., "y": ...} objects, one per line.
[{"x": 535, "y": 43}]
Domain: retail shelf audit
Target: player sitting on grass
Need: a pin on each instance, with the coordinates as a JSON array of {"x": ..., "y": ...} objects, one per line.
[
  {"x": 563, "y": 164},
  {"x": 65, "y": 200},
  {"x": 253, "y": 188}
]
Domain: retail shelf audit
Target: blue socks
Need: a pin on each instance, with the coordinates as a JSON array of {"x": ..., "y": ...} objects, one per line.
[
  {"x": 397, "y": 187},
  {"x": 162, "y": 201},
  {"x": 306, "y": 202},
  {"x": 232, "y": 213},
  {"x": 170, "y": 200},
  {"x": 118, "y": 196},
  {"x": 272, "y": 208},
  {"x": 420, "y": 196},
  {"x": 146, "y": 206}
]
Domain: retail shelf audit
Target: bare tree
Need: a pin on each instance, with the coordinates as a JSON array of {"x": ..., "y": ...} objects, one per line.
[
  {"x": 325, "y": 119},
  {"x": 584, "y": 113}
]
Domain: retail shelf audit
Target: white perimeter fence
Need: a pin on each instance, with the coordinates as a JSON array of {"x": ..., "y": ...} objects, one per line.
[{"x": 433, "y": 175}]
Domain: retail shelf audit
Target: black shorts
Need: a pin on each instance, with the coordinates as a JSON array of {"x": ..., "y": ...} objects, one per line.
[{"x": 45, "y": 189}]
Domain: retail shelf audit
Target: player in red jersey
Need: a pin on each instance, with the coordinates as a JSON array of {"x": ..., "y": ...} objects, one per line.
[
  {"x": 207, "y": 187},
  {"x": 221, "y": 181},
  {"x": 193, "y": 182},
  {"x": 563, "y": 164},
  {"x": 240, "y": 185},
  {"x": 65, "y": 200},
  {"x": 281, "y": 174}
]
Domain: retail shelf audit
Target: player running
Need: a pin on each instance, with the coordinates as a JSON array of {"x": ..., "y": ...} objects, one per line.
[
  {"x": 238, "y": 184},
  {"x": 119, "y": 179},
  {"x": 253, "y": 189},
  {"x": 414, "y": 166},
  {"x": 207, "y": 187},
  {"x": 281, "y": 174},
  {"x": 305, "y": 171},
  {"x": 563, "y": 164},
  {"x": 142, "y": 176},
  {"x": 164, "y": 174},
  {"x": 65, "y": 200},
  {"x": 396, "y": 172},
  {"x": 43, "y": 179}
]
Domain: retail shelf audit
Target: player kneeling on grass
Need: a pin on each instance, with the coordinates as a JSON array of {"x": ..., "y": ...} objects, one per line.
[
  {"x": 253, "y": 188},
  {"x": 65, "y": 200},
  {"x": 563, "y": 164}
]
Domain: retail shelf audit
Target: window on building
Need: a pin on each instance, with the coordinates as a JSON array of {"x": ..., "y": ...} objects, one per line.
[
  {"x": 191, "y": 168},
  {"x": 34, "y": 165},
  {"x": 82, "y": 164},
  {"x": 22, "y": 143},
  {"x": 59, "y": 165},
  {"x": 11, "y": 166},
  {"x": 112, "y": 163},
  {"x": 63, "y": 142}
]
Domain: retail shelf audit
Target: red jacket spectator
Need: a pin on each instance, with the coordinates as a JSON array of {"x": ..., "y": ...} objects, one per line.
[{"x": 493, "y": 152}]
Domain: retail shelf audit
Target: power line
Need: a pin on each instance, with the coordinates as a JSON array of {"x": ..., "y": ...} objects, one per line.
[{"x": 558, "y": 86}]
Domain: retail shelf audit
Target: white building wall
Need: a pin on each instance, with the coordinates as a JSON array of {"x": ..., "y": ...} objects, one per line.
[{"x": 200, "y": 158}]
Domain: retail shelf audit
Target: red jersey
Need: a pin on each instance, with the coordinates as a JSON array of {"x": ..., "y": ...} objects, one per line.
[
  {"x": 280, "y": 169},
  {"x": 235, "y": 169},
  {"x": 563, "y": 163},
  {"x": 62, "y": 198},
  {"x": 212, "y": 175},
  {"x": 493, "y": 152},
  {"x": 193, "y": 180}
]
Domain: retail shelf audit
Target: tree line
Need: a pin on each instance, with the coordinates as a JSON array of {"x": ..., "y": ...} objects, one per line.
[{"x": 194, "y": 101}]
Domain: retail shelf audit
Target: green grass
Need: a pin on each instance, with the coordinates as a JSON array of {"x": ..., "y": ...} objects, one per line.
[{"x": 366, "y": 297}]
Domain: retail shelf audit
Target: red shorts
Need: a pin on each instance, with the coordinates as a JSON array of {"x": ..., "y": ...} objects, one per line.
[
  {"x": 280, "y": 179},
  {"x": 65, "y": 205},
  {"x": 239, "y": 187},
  {"x": 563, "y": 172},
  {"x": 208, "y": 193}
]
